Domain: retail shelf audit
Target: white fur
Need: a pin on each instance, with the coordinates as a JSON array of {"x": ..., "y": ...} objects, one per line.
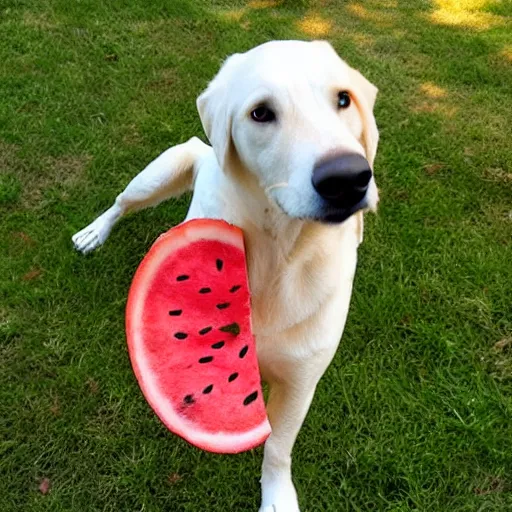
[{"x": 258, "y": 177}]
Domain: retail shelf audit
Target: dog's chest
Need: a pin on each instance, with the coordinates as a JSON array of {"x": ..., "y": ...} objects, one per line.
[{"x": 289, "y": 286}]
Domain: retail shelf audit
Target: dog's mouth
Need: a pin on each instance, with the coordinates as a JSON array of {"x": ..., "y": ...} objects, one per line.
[
  {"x": 328, "y": 213},
  {"x": 336, "y": 215}
]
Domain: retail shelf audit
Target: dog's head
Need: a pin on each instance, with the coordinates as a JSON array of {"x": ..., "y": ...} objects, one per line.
[{"x": 300, "y": 121}]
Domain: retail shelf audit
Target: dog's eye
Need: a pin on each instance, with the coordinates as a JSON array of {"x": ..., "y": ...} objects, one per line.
[
  {"x": 344, "y": 99},
  {"x": 262, "y": 114}
]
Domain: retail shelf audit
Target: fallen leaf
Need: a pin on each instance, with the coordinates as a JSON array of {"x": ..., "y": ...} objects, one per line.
[
  {"x": 406, "y": 320},
  {"x": 93, "y": 386},
  {"x": 495, "y": 485},
  {"x": 44, "y": 486},
  {"x": 173, "y": 478},
  {"x": 55, "y": 408},
  {"x": 503, "y": 344},
  {"x": 431, "y": 169},
  {"x": 32, "y": 274}
]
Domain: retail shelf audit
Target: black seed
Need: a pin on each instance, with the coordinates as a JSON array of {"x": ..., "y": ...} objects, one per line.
[
  {"x": 189, "y": 399},
  {"x": 233, "y": 328},
  {"x": 235, "y": 288},
  {"x": 206, "y": 330},
  {"x": 219, "y": 264},
  {"x": 207, "y": 359},
  {"x": 181, "y": 335},
  {"x": 243, "y": 352},
  {"x": 232, "y": 377},
  {"x": 219, "y": 344},
  {"x": 208, "y": 389},
  {"x": 223, "y": 305},
  {"x": 182, "y": 278},
  {"x": 205, "y": 290},
  {"x": 175, "y": 312},
  {"x": 250, "y": 398}
]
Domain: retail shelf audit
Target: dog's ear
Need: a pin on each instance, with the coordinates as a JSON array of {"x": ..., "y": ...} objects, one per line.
[
  {"x": 215, "y": 112},
  {"x": 366, "y": 93}
]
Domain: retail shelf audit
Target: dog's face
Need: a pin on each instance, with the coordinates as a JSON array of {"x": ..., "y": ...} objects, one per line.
[{"x": 300, "y": 120}]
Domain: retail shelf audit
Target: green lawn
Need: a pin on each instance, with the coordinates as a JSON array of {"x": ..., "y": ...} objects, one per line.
[{"x": 415, "y": 413}]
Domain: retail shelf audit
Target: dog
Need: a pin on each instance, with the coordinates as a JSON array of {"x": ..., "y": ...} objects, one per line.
[{"x": 293, "y": 139}]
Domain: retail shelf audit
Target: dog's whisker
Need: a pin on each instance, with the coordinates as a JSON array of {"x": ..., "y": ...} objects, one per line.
[{"x": 277, "y": 185}]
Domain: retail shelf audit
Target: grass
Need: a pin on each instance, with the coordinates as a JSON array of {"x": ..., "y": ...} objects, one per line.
[{"x": 415, "y": 411}]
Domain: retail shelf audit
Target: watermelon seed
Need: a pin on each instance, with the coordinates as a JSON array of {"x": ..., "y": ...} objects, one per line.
[
  {"x": 175, "y": 312},
  {"x": 219, "y": 264},
  {"x": 243, "y": 351},
  {"x": 232, "y": 377},
  {"x": 233, "y": 328},
  {"x": 189, "y": 399},
  {"x": 182, "y": 278},
  {"x": 206, "y": 330},
  {"x": 219, "y": 344},
  {"x": 250, "y": 398},
  {"x": 205, "y": 290},
  {"x": 235, "y": 288},
  {"x": 208, "y": 389},
  {"x": 207, "y": 359},
  {"x": 223, "y": 305},
  {"x": 181, "y": 335}
]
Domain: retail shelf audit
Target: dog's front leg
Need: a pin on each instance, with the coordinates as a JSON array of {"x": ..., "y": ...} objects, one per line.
[
  {"x": 171, "y": 174},
  {"x": 290, "y": 396}
]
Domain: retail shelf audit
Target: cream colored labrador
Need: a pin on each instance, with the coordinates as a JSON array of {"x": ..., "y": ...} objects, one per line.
[{"x": 293, "y": 142}]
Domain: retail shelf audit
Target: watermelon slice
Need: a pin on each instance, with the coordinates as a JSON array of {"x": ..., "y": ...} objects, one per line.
[{"x": 188, "y": 327}]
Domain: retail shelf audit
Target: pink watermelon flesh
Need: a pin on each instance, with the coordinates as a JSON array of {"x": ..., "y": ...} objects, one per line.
[{"x": 189, "y": 337}]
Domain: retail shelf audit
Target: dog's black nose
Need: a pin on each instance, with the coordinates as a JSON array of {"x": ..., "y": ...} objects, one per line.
[{"x": 343, "y": 180}]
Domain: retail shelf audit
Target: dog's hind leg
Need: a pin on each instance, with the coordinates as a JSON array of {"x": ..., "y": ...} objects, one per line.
[{"x": 171, "y": 174}]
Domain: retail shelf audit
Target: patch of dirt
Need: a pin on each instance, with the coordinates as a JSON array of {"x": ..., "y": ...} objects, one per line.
[
  {"x": 20, "y": 235},
  {"x": 65, "y": 171}
]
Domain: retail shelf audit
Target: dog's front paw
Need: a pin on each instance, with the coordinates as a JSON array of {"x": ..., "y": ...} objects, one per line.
[
  {"x": 279, "y": 496},
  {"x": 93, "y": 235},
  {"x": 280, "y": 507}
]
